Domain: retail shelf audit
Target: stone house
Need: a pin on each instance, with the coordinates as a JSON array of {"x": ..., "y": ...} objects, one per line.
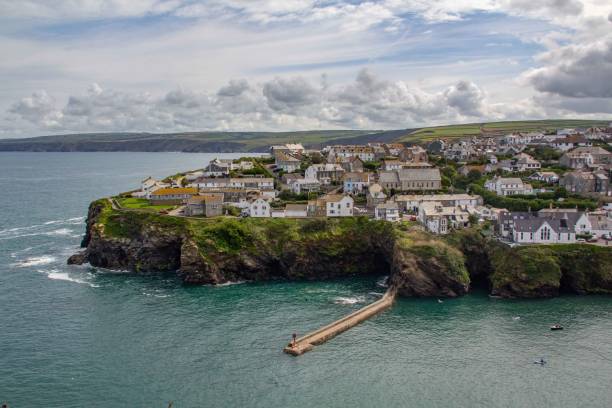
[
  {"x": 411, "y": 179},
  {"x": 375, "y": 196},
  {"x": 583, "y": 182},
  {"x": 172, "y": 196},
  {"x": 208, "y": 205}
]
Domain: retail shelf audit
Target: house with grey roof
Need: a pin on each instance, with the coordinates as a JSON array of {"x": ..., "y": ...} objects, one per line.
[
  {"x": 411, "y": 179},
  {"x": 547, "y": 226}
]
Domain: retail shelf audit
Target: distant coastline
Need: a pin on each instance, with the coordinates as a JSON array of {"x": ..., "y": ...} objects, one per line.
[{"x": 247, "y": 142}]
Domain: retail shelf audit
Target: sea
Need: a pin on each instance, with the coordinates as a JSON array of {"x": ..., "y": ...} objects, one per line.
[{"x": 78, "y": 336}]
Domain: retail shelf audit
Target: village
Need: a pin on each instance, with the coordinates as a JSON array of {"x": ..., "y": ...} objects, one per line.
[{"x": 528, "y": 188}]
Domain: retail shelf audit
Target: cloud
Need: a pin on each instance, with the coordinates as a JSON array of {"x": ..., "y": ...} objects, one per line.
[
  {"x": 39, "y": 109},
  {"x": 366, "y": 102},
  {"x": 577, "y": 71},
  {"x": 291, "y": 93},
  {"x": 557, "y": 7},
  {"x": 466, "y": 97}
]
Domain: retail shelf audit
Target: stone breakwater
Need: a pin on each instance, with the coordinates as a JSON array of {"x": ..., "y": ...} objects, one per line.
[{"x": 221, "y": 250}]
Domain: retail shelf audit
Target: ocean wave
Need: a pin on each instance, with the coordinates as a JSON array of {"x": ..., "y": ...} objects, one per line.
[
  {"x": 66, "y": 221},
  {"x": 348, "y": 300},
  {"x": 35, "y": 261},
  {"x": 61, "y": 231},
  {"x": 55, "y": 274},
  {"x": 382, "y": 282},
  {"x": 229, "y": 283}
]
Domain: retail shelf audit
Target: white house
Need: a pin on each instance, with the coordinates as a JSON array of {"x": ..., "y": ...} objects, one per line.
[
  {"x": 147, "y": 186},
  {"x": 304, "y": 185},
  {"x": 545, "y": 176},
  {"x": 440, "y": 220},
  {"x": 338, "y": 205},
  {"x": 259, "y": 208},
  {"x": 536, "y": 230},
  {"x": 286, "y": 162},
  {"x": 218, "y": 168},
  {"x": 524, "y": 162},
  {"x": 355, "y": 182},
  {"x": 508, "y": 186},
  {"x": 388, "y": 211},
  {"x": 365, "y": 153}
]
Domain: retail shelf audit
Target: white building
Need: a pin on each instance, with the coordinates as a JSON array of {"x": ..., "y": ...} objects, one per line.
[
  {"x": 304, "y": 185},
  {"x": 440, "y": 220},
  {"x": 543, "y": 231},
  {"x": 388, "y": 211},
  {"x": 411, "y": 202},
  {"x": 508, "y": 186},
  {"x": 338, "y": 205},
  {"x": 355, "y": 182},
  {"x": 259, "y": 208},
  {"x": 147, "y": 186}
]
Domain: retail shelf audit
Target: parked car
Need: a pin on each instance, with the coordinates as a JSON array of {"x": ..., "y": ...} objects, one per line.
[{"x": 581, "y": 240}]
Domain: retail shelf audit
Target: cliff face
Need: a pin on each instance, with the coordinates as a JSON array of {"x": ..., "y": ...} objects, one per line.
[
  {"x": 212, "y": 251},
  {"x": 546, "y": 271}
]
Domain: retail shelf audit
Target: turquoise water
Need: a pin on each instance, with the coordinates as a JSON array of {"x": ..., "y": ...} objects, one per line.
[{"x": 81, "y": 337}]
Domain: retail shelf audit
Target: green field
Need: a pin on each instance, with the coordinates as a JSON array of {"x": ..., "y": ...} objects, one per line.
[
  {"x": 474, "y": 129},
  {"x": 141, "y": 204}
]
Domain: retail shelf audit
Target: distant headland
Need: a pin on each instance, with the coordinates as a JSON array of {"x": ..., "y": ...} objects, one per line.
[{"x": 228, "y": 142}]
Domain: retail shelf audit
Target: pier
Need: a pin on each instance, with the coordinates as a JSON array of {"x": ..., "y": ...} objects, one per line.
[{"x": 306, "y": 343}]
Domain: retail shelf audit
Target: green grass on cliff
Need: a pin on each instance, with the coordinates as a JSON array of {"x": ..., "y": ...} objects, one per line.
[{"x": 474, "y": 129}]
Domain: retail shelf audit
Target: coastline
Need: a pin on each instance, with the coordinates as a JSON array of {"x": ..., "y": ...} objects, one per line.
[{"x": 224, "y": 249}]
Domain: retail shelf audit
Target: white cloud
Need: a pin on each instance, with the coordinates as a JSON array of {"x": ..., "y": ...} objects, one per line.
[
  {"x": 367, "y": 102},
  {"x": 282, "y": 47},
  {"x": 579, "y": 71}
]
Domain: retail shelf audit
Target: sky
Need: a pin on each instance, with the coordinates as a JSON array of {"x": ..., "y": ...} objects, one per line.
[{"x": 73, "y": 66}]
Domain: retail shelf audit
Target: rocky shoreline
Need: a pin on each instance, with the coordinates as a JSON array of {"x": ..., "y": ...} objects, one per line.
[{"x": 219, "y": 250}]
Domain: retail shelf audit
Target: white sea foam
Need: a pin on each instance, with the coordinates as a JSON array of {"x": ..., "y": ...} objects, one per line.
[
  {"x": 229, "y": 283},
  {"x": 35, "y": 261},
  {"x": 382, "y": 282},
  {"x": 348, "y": 300},
  {"x": 61, "y": 231},
  {"x": 64, "y": 276}
]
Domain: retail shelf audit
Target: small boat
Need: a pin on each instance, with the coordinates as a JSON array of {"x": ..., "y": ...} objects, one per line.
[{"x": 556, "y": 327}]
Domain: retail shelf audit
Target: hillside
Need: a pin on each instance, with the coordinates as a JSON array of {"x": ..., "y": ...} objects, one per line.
[
  {"x": 224, "y": 142},
  {"x": 474, "y": 129},
  {"x": 191, "y": 142}
]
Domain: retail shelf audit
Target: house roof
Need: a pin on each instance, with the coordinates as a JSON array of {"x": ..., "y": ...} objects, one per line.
[
  {"x": 334, "y": 198},
  {"x": 252, "y": 180},
  {"x": 296, "y": 207},
  {"x": 375, "y": 188},
  {"x": 210, "y": 198},
  {"x": 174, "y": 191},
  {"x": 389, "y": 205},
  {"x": 388, "y": 177},
  {"x": 435, "y": 197},
  {"x": 356, "y": 177},
  {"x": 284, "y": 157},
  {"x": 419, "y": 174},
  {"x": 533, "y": 224}
]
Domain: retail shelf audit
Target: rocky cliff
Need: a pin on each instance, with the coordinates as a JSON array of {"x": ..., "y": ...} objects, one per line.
[
  {"x": 213, "y": 251},
  {"x": 218, "y": 250}
]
